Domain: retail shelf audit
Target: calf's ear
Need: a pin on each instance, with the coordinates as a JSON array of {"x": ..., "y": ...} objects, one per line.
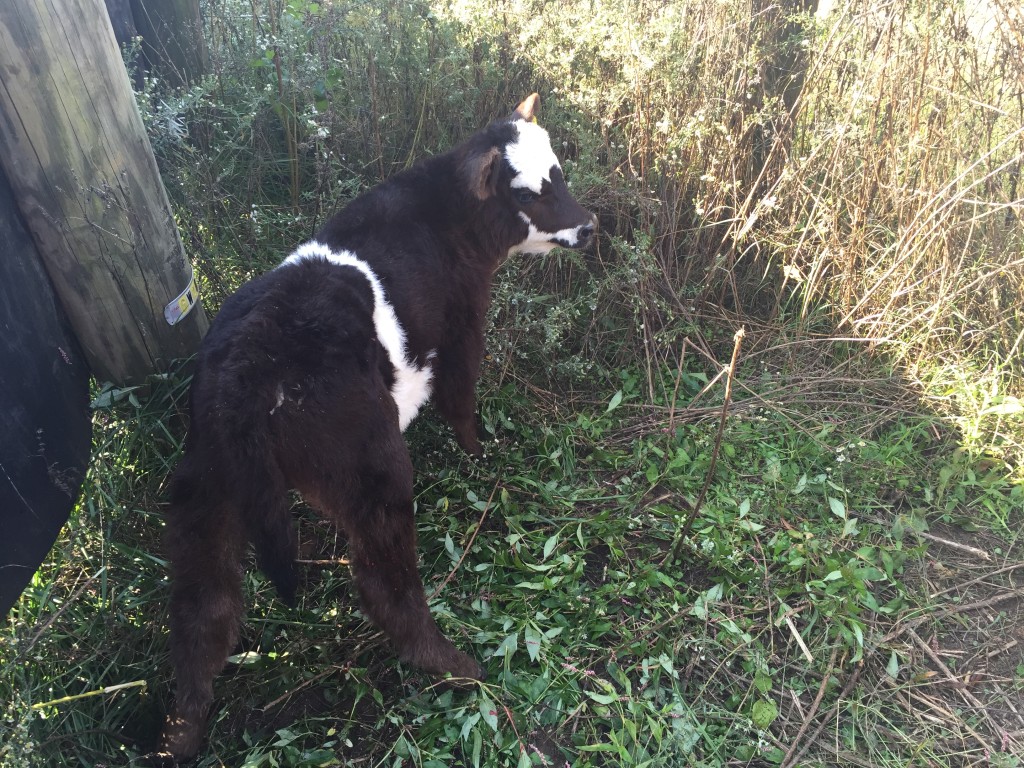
[
  {"x": 527, "y": 110},
  {"x": 480, "y": 172}
]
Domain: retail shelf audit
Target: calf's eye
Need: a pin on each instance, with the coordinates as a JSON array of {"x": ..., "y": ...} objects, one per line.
[{"x": 525, "y": 196}]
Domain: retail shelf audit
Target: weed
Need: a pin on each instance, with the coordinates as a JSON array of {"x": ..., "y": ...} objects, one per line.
[{"x": 847, "y": 592}]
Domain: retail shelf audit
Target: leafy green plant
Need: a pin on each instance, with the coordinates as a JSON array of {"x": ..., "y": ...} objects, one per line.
[{"x": 845, "y": 595}]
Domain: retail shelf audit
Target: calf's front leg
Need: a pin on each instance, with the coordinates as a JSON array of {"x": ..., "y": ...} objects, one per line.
[{"x": 456, "y": 371}]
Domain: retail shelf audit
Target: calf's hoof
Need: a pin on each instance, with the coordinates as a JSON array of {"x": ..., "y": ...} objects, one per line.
[
  {"x": 468, "y": 674},
  {"x": 180, "y": 741},
  {"x": 159, "y": 759},
  {"x": 446, "y": 661},
  {"x": 472, "y": 446},
  {"x": 468, "y": 434},
  {"x": 464, "y": 682}
]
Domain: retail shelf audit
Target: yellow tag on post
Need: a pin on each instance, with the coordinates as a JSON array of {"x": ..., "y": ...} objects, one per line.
[{"x": 183, "y": 303}]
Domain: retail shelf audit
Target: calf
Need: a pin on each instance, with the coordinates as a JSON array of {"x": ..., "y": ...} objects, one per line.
[{"x": 309, "y": 375}]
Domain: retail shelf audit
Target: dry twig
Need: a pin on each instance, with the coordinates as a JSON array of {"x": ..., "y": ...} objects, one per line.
[
  {"x": 967, "y": 696},
  {"x": 997, "y": 572},
  {"x": 730, "y": 373},
  {"x": 469, "y": 544},
  {"x": 792, "y": 758},
  {"x": 814, "y": 708},
  {"x": 973, "y": 551}
]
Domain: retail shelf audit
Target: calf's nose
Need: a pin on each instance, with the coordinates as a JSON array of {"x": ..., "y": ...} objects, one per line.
[{"x": 585, "y": 233}]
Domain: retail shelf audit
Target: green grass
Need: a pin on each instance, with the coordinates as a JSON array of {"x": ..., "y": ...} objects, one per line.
[
  {"x": 807, "y": 578},
  {"x": 847, "y": 594}
]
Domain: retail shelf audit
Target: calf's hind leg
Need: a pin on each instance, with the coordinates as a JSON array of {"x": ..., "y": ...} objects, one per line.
[
  {"x": 373, "y": 503},
  {"x": 205, "y": 546},
  {"x": 382, "y": 550}
]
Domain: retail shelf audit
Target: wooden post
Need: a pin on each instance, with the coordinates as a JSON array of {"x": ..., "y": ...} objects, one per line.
[{"x": 75, "y": 151}]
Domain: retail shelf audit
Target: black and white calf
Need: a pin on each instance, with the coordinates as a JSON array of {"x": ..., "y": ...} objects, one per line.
[{"x": 310, "y": 373}]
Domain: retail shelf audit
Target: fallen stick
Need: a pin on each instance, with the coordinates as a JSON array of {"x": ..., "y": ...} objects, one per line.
[{"x": 730, "y": 372}]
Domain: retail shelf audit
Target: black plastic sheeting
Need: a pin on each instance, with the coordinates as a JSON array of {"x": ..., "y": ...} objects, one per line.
[{"x": 45, "y": 426}]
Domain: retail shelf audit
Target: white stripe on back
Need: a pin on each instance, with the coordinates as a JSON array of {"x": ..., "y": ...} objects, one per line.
[{"x": 412, "y": 385}]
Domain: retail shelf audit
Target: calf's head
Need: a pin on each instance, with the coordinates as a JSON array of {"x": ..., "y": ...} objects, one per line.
[{"x": 512, "y": 165}]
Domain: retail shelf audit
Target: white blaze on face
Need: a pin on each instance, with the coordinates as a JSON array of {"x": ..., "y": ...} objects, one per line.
[
  {"x": 541, "y": 242},
  {"x": 531, "y": 157},
  {"x": 412, "y": 385}
]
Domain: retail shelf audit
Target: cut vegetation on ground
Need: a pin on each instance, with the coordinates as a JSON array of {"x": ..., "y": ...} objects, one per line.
[{"x": 844, "y": 188}]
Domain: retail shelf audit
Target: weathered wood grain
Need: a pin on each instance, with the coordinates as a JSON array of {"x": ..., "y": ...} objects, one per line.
[{"x": 86, "y": 182}]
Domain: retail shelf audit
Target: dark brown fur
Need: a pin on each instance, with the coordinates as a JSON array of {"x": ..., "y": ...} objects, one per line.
[{"x": 292, "y": 391}]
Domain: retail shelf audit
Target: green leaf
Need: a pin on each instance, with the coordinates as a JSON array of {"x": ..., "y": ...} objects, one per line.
[
  {"x": 665, "y": 579},
  {"x": 403, "y": 748},
  {"x": 887, "y": 562},
  {"x": 1010, "y": 406},
  {"x": 762, "y": 682},
  {"x": 467, "y": 725},
  {"x": 602, "y": 698},
  {"x": 540, "y": 568},
  {"x": 478, "y": 745},
  {"x": 614, "y": 402},
  {"x": 868, "y": 573},
  {"x": 532, "y": 639},
  {"x": 248, "y": 657},
  {"x": 111, "y": 395},
  {"x": 488, "y": 711},
  {"x": 536, "y": 586},
  {"x": 700, "y": 604},
  {"x": 549, "y": 546},
  {"x": 837, "y": 507},
  {"x": 763, "y": 713},
  {"x": 508, "y": 646},
  {"x": 665, "y": 662},
  {"x": 858, "y": 632},
  {"x": 892, "y": 669},
  {"x": 285, "y": 736}
]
